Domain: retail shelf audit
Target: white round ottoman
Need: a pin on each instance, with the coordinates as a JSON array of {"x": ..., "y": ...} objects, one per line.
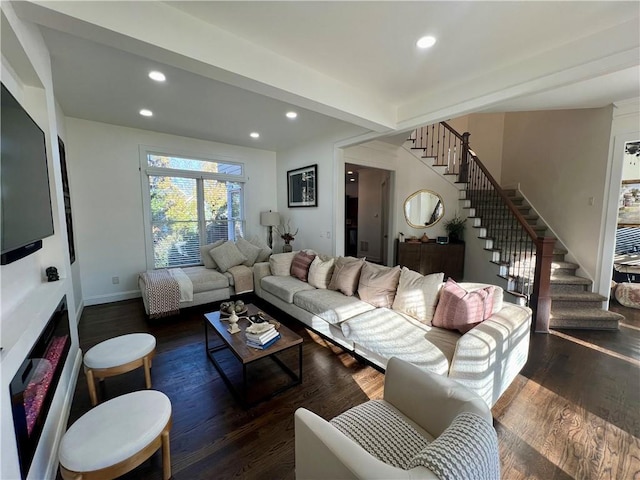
[
  {"x": 119, "y": 355},
  {"x": 117, "y": 436}
]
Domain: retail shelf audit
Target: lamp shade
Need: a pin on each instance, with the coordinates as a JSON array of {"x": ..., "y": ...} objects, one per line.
[{"x": 269, "y": 219}]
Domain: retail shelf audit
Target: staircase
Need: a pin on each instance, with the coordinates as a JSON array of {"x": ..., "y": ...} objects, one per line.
[{"x": 531, "y": 262}]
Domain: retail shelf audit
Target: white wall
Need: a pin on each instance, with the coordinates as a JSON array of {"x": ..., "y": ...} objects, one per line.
[
  {"x": 630, "y": 167},
  {"x": 107, "y": 194},
  {"x": 560, "y": 160},
  {"x": 624, "y": 128},
  {"x": 317, "y": 227},
  {"x": 27, "y": 300},
  {"x": 487, "y": 130},
  {"x": 409, "y": 175}
]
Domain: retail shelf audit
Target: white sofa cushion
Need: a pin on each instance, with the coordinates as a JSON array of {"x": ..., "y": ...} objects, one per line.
[
  {"x": 333, "y": 307},
  {"x": 388, "y": 333},
  {"x": 205, "y": 279},
  {"x": 284, "y": 287}
]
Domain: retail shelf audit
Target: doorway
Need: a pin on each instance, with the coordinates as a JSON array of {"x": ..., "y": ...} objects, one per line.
[{"x": 367, "y": 215}]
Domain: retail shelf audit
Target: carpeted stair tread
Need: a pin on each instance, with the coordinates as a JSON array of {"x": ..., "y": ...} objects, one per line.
[
  {"x": 564, "y": 266},
  {"x": 578, "y": 297},
  {"x": 560, "y": 279},
  {"x": 584, "y": 318}
]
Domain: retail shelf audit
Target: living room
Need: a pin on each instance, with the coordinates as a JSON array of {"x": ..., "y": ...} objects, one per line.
[{"x": 103, "y": 156}]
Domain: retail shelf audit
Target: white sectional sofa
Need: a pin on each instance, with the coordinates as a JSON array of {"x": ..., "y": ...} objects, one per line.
[{"x": 485, "y": 359}]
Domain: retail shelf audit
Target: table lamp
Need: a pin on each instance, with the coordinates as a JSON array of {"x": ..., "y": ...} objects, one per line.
[{"x": 270, "y": 219}]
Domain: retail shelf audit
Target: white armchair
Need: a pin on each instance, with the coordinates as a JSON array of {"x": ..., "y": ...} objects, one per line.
[{"x": 415, "y": 429}]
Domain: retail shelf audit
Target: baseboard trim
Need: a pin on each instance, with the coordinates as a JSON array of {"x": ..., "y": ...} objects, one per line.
[
  {"x": 111, "y": 297},
  {"x": 79, "y": 310}
]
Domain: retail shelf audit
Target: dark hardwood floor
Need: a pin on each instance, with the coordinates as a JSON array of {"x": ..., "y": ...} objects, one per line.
[{"x": 573, "y": 412}]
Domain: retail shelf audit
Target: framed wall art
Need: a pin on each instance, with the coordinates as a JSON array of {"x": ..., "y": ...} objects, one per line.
[{"x": 302, "y": 187}]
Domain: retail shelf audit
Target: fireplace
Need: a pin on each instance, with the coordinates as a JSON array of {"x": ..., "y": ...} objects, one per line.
[{"x": 34, "y": 385}]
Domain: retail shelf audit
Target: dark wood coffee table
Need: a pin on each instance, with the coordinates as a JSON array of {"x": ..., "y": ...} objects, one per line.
[{"x": 236, "y": 344}]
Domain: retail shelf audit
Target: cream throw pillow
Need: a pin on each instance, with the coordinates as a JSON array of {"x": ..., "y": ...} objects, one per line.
[
  {"x": 208, "y": 261},
  {"x": 320, "y": 272},
  {"x": 378, "y": 284},
  {"x": 346, "y": 275},
  {"x": 417, "y": 295},
  {"x": 249, "y": 250},
  {"x": 265, "y": 251},
  {"x": 280, "y": 264},
  {"x": 227, "y": 255}
]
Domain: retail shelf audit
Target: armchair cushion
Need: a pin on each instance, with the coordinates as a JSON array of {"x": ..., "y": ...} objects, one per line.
[{"x": 383, "y": 432}]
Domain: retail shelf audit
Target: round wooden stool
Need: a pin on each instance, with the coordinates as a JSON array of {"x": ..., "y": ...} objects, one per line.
[
  {"x": 117, "y": 436},
  {"x": 119, "y": 355}
]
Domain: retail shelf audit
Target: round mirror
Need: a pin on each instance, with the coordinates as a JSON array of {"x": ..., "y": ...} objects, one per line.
[{"x": 423, "y": 209}]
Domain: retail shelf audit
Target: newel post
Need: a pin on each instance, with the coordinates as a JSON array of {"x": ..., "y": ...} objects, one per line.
[
  {"x": 542, "y": 284},
  {"x": 464, "y": 158}
]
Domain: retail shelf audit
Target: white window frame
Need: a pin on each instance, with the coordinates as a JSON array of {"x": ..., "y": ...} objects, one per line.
[{"x": 146, "y": 171}]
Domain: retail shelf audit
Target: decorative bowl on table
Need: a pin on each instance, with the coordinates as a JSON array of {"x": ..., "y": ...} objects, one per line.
[{"x": 226, "y": 308}]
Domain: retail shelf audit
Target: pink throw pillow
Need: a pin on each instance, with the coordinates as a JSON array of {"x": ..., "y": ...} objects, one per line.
[
  {"x": 300, "y": 265},
  {"x": 461, "y": 310}
]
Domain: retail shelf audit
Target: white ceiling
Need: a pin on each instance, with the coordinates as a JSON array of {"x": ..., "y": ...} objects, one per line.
[{"x": 349, "y": 67}]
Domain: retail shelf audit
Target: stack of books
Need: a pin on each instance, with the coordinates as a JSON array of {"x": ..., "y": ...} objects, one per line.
[{"x": 262, "y": 337}]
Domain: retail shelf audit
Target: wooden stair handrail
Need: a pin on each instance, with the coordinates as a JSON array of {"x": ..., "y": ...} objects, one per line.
[
  {"x": 541, "y": 298},
  {"x": 530, "y": 231}
]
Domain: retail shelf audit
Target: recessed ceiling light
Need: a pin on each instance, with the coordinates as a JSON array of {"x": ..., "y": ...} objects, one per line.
[
  {"x": 254, "y": 135},
  {"x": 426, "y": 42},
  {"x": 157, "y": 76},
  {"x": 350, "y": 172},
  {"x": 146, "y": 112},
  {"x": 292, "y": 115},
  {"x": 353, "y": 179}
]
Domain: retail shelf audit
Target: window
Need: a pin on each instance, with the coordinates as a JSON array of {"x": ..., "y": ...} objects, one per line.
[{"x": 188, "y": 203}]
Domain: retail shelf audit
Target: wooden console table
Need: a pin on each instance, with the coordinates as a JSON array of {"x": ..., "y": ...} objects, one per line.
[{"x": 431, "y": 257}]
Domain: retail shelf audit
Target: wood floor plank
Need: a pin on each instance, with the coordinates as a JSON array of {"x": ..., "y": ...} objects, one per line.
[{"x": 572, "y": 413}]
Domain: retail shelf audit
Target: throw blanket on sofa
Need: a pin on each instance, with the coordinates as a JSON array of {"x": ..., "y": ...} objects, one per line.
[
  {"x": 242, "y": 279},
  {"x": 165, "y": 289}
]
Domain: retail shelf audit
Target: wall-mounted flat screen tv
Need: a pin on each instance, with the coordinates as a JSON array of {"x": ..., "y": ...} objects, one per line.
[{"x": 25, "y": 203}]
